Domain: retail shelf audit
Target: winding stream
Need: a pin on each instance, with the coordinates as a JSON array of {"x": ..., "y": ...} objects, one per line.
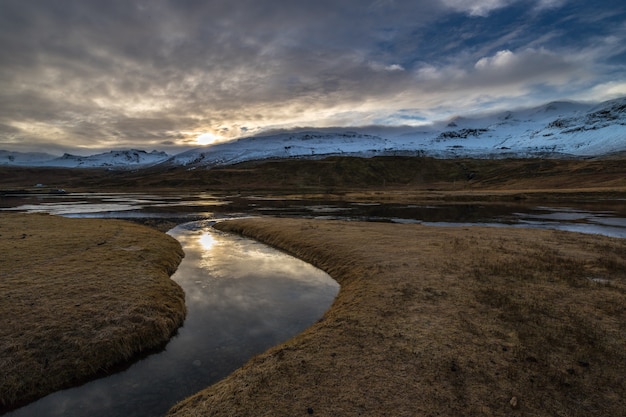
[{"x": 242, "y": 298}]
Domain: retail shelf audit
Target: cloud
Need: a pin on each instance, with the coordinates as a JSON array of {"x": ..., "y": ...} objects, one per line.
[
  {"x": 550, "y": 4},
  {"x": 207, "y": 63},
  {"x": 377, "y": 66},
  {"x": 604, "y": 91},
  {"x": 477, "y": 7},
  {"x": 133, "y": 73},
  {"x": 504, "y": 69},
  {"x": 500, "y": 60},
  {"x": 482, "y": 8},
  {"x": 507, "y": 78}
]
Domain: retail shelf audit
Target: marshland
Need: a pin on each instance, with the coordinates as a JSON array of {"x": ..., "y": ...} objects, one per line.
[
  {"x": 312, "y": 208},
  {"x": 445, "y": 317}
]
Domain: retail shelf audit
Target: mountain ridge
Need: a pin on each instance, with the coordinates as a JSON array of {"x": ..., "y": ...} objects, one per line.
[
  {"x": 111, "y": 159},
  {"x": 560, "y": 129}
]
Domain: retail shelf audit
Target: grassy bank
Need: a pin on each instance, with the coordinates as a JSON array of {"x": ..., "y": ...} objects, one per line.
[
  {"x": 78, "y": 296},
  {"x": 442, "y": 321}
]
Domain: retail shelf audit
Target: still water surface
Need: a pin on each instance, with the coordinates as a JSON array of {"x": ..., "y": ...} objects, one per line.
[
  {"x": 242, "y": 298},
  {"x": 602, "y": 216}
]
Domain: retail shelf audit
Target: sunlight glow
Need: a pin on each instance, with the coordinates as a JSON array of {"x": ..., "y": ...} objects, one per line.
[{"x": 207, "y": 139}]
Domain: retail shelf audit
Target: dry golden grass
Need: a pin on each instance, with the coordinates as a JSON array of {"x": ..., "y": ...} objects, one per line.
[
  {"x": 78, "y": 296},
  {"x": 442, "y": 321}
]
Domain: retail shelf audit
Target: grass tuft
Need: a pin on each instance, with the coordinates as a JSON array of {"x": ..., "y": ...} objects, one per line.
[{"x": 79, "y": 296}]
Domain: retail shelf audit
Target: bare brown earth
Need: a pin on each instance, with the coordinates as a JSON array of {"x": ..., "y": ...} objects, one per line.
[
  {"x": 441, "y": 322},
  {"x": 79, "y": 296}
]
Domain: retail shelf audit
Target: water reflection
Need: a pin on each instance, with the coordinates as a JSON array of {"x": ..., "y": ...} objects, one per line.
[
  {"x": 120, "y": 205},
  {"x": 601, "y": 216},
  {"x": 242, "y": 298}
]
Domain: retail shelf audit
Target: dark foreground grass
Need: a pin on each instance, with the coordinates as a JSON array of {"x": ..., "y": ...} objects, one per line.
[
  {"x": 78, "y": 296},
  {"x": 442, "y": 322}
]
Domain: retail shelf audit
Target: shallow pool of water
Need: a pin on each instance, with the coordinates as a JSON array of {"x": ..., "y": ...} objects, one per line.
[
  {"x": 603, "y": 216},
  {"x": 242, "y": 298}
]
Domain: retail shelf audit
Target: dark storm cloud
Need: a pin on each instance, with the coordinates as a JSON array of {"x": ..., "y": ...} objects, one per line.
[{"x": 145, "y": 73}]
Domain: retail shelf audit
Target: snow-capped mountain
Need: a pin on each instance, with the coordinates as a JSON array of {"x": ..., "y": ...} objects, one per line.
[
  {"x": 558, "y": 129},
  {"x": 113, "y": 159},
  {"x": 285, "y": 145},
  {"x": 132, "y": 157},
  {"x": 24, "y": 158}
]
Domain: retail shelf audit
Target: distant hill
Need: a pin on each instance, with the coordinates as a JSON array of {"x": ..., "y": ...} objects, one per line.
[
  {"x": 555, "y": 130},
  {"x": 112, "y": 159},
  {"x": 24, "y": 158}
]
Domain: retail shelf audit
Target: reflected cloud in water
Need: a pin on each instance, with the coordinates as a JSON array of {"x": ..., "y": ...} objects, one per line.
[
  {"x": 108, "y": 204},
  {"x": 242, "y": 298},
  {"x": 602, "y": 216}
]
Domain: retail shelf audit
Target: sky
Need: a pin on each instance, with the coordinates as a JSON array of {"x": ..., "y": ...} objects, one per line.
[{"x": 87, "y": 75}]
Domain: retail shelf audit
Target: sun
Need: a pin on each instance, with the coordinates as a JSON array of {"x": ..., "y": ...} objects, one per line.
[{"x": 207, "y": 139}]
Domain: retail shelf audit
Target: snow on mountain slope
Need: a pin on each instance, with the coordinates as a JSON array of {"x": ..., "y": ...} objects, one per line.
[
  {"x": 555, "y": 129},
  {"x": 132, "y": 157},
  {"x": 24, "y": 158},
  {"x": 286, "y": 145},
  {"x": 113, "y": 159},
  {"x": 563, "y": 128},
  {"x": 558, "y": 129}
]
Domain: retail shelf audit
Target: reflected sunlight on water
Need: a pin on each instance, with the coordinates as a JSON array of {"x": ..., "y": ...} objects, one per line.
[
  {"x": 242, "y": 298},
  {"x": 206, "y": 241}
]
